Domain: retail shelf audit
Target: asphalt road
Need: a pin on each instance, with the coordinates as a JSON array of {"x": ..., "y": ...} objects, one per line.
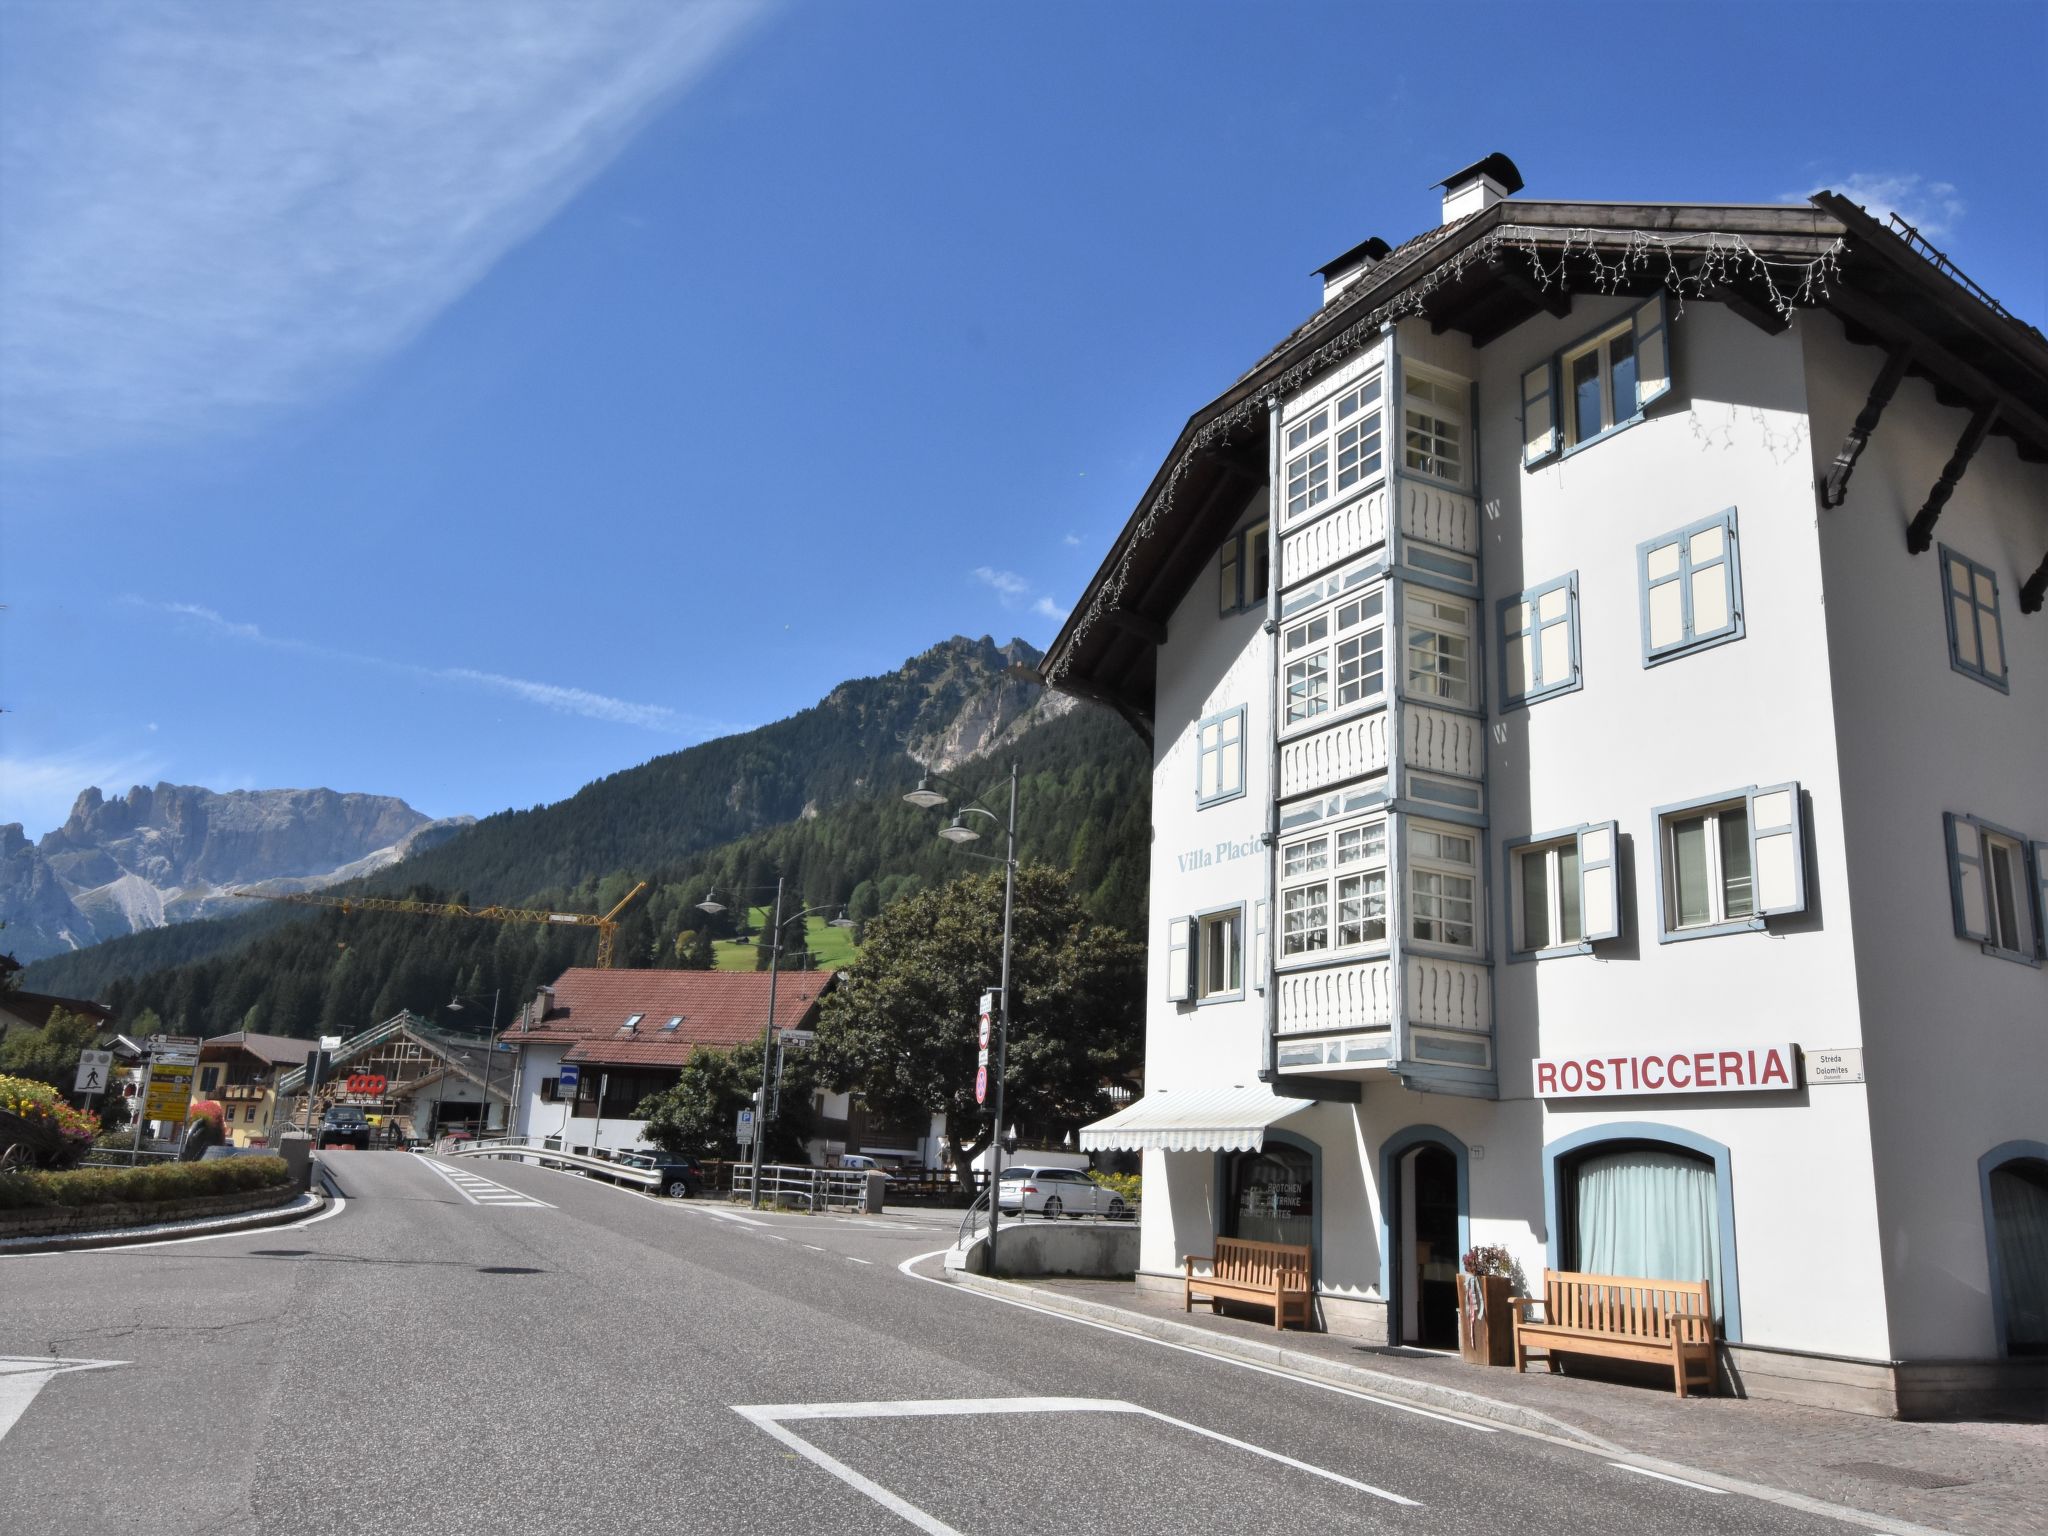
[{"x": 492, "y": 1347}]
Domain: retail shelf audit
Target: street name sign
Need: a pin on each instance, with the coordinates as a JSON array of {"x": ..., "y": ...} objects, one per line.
[
  {"x": 799, "y": 1036},
  {"x": 1837, "y": 1066},
  {"x": 94, "y": 1070}
]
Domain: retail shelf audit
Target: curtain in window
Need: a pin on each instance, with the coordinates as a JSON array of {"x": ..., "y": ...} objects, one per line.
[
  {"x": 1649, "y": 1213},
  {"x": 2019, "y": 1220}
]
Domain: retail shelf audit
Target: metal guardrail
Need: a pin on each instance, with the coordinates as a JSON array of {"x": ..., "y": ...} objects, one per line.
[
  {"x": 816, "y": 1189},
  {"x": 535, "y": 1149},
  {"x": 975, "y": 1221}
]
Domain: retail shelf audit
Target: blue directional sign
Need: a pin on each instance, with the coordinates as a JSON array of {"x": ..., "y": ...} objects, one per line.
[{"x": 569, "y": 1077}]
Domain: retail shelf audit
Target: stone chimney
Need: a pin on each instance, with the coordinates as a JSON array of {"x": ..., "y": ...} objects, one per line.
[
  {"x": 1351, "y": 266},
  {"x": 1479, "y": 186}
]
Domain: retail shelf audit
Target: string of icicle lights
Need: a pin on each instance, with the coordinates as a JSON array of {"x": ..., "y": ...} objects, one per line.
[{"x": 1611, "y": 258}]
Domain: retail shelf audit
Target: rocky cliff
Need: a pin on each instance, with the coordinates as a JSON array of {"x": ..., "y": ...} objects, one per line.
[{"x": 176, "y": 851}]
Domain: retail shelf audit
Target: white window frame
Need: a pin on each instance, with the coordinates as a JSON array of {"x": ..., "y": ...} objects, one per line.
[
  {"x": 1220, "y": 738},
  {"x": 1526, "y": 623},
  {"x": 1774, "y": 845},
  {"x": 1316, "y": 648},
  {"x": 1243, "y": 570},
  {"x": 1427, "y": 449},
  {"x": 1425, "y": 892},
  {"x": 1314, "y": 447},
  {"x": 1558, "y": 860},
  {"x": 1434, "y": 623},
  {"x": 1321, "y": 874},
  {"x": 1973, "y": 613},
  {"x": 1680, "y": 579},
  {"x": 1227, "y": 921},
  {"x": 1550, "y": 427},
  {"x": 1974, "y": 889}
]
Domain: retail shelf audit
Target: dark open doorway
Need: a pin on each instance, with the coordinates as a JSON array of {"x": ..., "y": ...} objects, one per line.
[{"x": 1426, "y": 1252}]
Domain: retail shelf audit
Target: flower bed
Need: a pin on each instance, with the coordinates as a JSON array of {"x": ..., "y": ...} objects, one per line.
[
  {"x": 39, "y": 1128},
  {"x": 147, "y": 1185}
]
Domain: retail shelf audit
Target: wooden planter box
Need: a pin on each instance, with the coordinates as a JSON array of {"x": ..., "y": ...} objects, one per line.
[{"x": 1486, "y": 1326}]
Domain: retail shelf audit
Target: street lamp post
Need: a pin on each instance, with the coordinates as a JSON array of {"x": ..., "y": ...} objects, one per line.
[
  {"x": 712, "y": 904},
  {"x": 958, "y": 831},
  {"x": 483, "y": 1120}
]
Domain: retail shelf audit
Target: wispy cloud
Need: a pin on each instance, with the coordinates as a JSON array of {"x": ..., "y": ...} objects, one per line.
[
  {"x": 1046, "y": 608},
  {"x": 555, "y": 696},
  {"x": 1072, "y": 541},
  {"x": 37, "y": 791},
  {"x": 1009, "y": 583},
  {"x": 219, "y": 210},
  {"x": 1932, "y": 207}
]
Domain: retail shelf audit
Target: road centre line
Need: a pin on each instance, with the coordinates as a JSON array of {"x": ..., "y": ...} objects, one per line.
[
  {"x": 852, "y": 1260},
  {"x": 772, "y": 1417},
  {"x": 1190, "y": 1349}
]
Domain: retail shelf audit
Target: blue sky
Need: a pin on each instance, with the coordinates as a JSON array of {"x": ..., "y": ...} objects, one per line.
[{"x": 400, "y": 403}]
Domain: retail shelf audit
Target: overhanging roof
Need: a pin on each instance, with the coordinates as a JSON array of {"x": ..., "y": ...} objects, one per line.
[
  {"x": 1232, "y": 1119},
  {"x": 1487, "y": 273}
]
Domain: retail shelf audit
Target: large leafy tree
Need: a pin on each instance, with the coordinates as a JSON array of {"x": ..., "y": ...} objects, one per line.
[
  {"x": 49, "y": 1054},
  {"x": 699, "y": 1115},
  {"x": 900, "y": 1028}
]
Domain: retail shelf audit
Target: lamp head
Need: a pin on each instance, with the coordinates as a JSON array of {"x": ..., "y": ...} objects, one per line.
[
  {"x": 841, "y": 921},
  {"x": 959, "y": 832},
  {"x": 924, "y": 797},
  {"x": 711, "y": 903},
  {"x": 454, "y": 1005}
]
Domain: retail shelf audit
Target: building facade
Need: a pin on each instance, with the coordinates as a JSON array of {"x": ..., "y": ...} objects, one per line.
[
  {"x": 239, "y": 1071},
  {"x": 1599, "y": 699}
]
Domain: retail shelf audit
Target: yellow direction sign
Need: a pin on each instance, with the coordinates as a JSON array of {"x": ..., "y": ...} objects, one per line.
[{"x": 170, "y": 1091}]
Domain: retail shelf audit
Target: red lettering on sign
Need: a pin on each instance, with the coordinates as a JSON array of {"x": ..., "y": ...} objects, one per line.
[
  {"x": 1731, "y": 1068},
  {"x": 1653, "y": 1083},
  {"x": 1596, "y": 1075},
  {"x": 1572, "y": 1076},
  {"x": 1703, "y": 1069},
  {"x": 1671, "y": 1071},
  {"x": 1774, "y": 1069},
  {"x": 1546, "y": 1077},
  {"x": 1618, "y": 1062}
]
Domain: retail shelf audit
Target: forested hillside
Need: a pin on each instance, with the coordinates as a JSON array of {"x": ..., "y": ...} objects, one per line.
[{"x": 1084, "y": 805}]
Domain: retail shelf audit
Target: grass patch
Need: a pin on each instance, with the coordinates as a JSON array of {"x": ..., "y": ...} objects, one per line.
[
  {"x": 832, "y": 948},
  {"x": 140, "y": 1186}
]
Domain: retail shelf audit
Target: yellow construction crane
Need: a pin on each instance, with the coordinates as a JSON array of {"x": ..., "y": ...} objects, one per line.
[{"x": 606, "y": 926}]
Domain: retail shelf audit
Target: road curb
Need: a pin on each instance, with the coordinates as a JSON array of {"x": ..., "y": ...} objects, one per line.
[
  {"x": 1455, "y": 1400},
  {"x": 308, "y": 1203}
]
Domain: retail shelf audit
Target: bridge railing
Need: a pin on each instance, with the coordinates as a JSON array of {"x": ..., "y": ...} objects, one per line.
[
  {"x": 815, "y": 1189},
  {"x": 547, "y": 1152}
]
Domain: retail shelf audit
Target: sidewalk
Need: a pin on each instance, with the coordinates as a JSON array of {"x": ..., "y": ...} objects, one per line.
[{"x": 1973, "y": 1479}]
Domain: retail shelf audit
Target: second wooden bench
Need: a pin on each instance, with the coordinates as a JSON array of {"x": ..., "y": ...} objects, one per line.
[{"x": 1271, "y": 1274}]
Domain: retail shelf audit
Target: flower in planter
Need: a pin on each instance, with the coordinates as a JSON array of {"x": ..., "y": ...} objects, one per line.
[{"x": 1490, "y": 1260}]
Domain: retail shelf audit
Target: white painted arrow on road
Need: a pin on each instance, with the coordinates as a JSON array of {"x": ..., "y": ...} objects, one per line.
[{"x": 22, "y": 1377}]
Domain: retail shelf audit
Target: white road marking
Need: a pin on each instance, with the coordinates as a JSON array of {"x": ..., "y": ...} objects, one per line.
[
  {"x": 814, "y": 1247},
  {"x": 772, "y": 1417},
  {"x": 1190, "y": 1349},
  {"x": 471, "y": 1186},
  {"x": 852, "y": 1260},
  {"x": 1664, "y": 1477},
  {"x": 21, "y": 1378}
]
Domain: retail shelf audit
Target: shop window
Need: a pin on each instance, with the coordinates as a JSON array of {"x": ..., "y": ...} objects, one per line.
[
  {"x": 2017, "y": 1199},
  {"x": 1727, "y": 864},
  {"x": 1976, "y": 636},
  {"x": 1998, "y": 888},
  {"x": 1644, "y": 1210},
  {"x": 1691, "y": 581},
  {"x": 1272, "y": 1195}
]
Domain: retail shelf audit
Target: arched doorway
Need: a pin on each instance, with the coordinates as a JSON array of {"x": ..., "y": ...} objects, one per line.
[
  {"x": 1425, "y": 1221},
  {"x": 2015, "y": 1178}
]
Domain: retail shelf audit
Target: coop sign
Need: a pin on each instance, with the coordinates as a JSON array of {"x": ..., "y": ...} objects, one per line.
[{"x": 1747, "y": 1069}]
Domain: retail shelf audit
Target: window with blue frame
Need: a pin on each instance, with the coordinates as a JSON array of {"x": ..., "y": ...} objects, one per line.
[
  {"x": 1219, "y": 758},
  {"x": 1976, "y": 636},
  {"x": 1998, "y": 888},
  {"x": 1691, "y": 581},
  {"x": 1539, "y": 641},
  {"x": 1598, "y": 385}
]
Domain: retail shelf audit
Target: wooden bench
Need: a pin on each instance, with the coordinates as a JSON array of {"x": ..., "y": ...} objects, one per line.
[
  {"x": 1271, "y": 1274},
  {"x": 1667, "y": 1322}
]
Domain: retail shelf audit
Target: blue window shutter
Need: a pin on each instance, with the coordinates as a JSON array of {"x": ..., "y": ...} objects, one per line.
[
  {"x": 1540, "y": 436},
  {"x": 1653, "y": 352},
  {"x": 1777, "y": 850},
  {"x": 1230, "y": 576},
  {"x": 1262, "y": 954},
  {"x": 1600, "y": 880},
  {"x": 1966, "y": 878},
  {"x": 1180, "y": 971},
  {"x": 2038, "y": 852}
]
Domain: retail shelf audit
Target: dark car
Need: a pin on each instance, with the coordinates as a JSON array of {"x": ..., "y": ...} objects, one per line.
[
  {"x": 680, "y": 1178},
  {"x": 345, "y": 1125}
]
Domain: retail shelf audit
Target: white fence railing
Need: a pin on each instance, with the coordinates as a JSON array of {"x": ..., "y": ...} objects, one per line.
[{"x": 546, "y": 1152}]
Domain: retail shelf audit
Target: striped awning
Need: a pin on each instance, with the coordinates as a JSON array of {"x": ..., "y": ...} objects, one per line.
[{"x": 1234, "y": 1118}]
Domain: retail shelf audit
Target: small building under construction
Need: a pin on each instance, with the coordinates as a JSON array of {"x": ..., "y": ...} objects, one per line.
[{"x": 414, "y": 1082}]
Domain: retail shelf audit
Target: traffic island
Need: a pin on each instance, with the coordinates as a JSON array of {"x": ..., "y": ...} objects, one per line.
[{"x": 90, "y": 1207}]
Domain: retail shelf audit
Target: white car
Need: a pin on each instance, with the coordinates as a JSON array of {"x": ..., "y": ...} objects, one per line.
[{"x": 1025, "y": 1190}]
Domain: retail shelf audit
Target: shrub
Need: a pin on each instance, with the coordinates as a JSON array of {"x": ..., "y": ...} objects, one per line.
[
  {"x": 146, "y": 1185},
  {"x": 1127, "y": 1185}
]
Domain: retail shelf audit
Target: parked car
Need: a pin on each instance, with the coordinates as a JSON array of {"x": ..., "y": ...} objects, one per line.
[
  {"x": 1024, "y": 1190},
  {"x": 344, "y": 1125},
  {"x": 680, "y": 1178},
  {"x": 860, "y": 1162}
]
